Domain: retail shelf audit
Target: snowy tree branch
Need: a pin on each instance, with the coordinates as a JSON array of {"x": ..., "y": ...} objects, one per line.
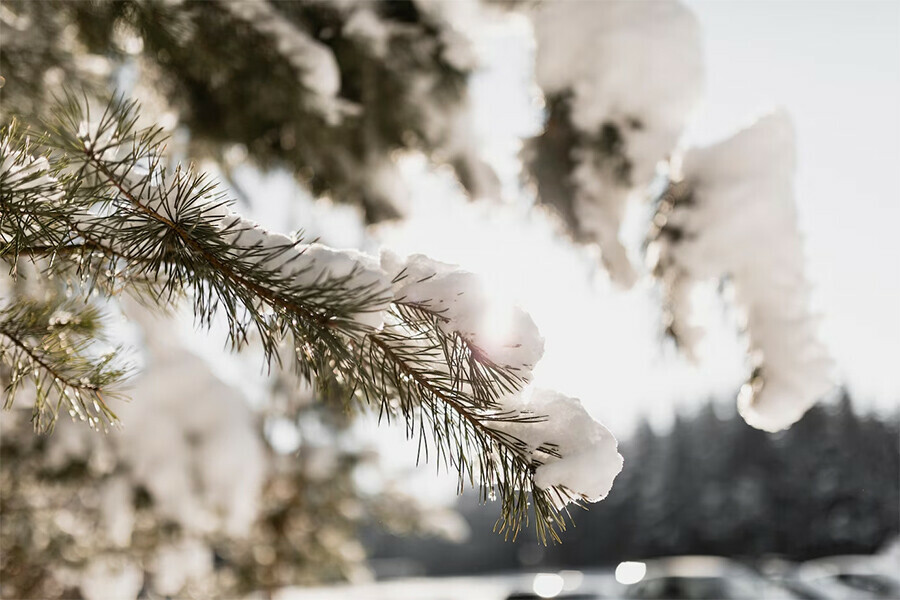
[{"x": 404, "y": 336}]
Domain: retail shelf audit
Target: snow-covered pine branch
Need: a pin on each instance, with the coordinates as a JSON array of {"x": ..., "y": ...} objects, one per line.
[
  {"x": 315, "y": 63},
  {"x": 729, "y": 213},
  {"x": 409, "y": 337},
  {"x": 620, "y": 80}
]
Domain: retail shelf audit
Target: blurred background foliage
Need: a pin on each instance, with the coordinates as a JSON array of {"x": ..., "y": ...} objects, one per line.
[{"x": 361, "y": 80}]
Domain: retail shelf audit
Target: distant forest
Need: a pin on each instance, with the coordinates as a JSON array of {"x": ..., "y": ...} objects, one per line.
[{"x": 709, "y": 485}]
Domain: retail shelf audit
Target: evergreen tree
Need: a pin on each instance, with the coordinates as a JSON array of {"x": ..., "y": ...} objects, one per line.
[
  {"x": 96, "y": 206},
  {"x": 94, "y": 209}
]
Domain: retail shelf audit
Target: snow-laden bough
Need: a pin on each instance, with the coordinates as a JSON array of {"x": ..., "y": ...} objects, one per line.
[
  {"x": 729, "y": 213},
  {"x": 572, "y": 453},
  {"x": 389, "y": 307}
]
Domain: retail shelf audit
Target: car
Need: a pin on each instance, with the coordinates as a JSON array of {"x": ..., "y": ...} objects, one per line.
[
  {"x": 694, "y": 577},
  {"x": 849, "y": 577}
]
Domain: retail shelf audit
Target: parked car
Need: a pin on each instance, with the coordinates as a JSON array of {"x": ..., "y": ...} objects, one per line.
[
  {"x": 696, "y": 577},
  {"x": 849, "y": 577}
]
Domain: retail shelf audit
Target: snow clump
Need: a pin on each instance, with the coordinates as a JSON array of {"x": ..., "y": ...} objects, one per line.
[
  {"x": 633, "y": 74},
  {"x": 584, "y": 459},
  {"x": 733, "y": 216},
  {"x": 314, "y": 61},
  {"x": 506, "y": 335}
]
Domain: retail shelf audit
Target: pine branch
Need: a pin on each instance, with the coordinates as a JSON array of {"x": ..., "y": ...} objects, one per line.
[
  {"x": 48, "y": 344},
  {"x": 502, "y": 460},
  {"x": 119, "y": 218}
]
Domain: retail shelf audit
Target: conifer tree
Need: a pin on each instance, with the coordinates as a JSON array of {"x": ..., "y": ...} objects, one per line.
[{"x": 97, "y": 206}]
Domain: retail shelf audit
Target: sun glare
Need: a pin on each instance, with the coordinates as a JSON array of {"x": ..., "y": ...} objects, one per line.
[
  {"x": 497, "y": 324},
  {"x": 586, "y": 322}
]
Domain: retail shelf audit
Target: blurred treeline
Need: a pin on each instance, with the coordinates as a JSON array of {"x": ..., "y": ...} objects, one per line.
[{"x": 710, "y": 484}]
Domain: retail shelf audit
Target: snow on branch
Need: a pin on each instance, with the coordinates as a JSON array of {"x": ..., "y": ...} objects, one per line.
[
  {"x": 620, "y": 80},
  {"x": 575, "y": 456},
  {"x": 729, "y": 214},
  {"x": 416, "y": 339},
  {"x": 506, "y": 336},
  {"x": 314, "y": 61}
]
